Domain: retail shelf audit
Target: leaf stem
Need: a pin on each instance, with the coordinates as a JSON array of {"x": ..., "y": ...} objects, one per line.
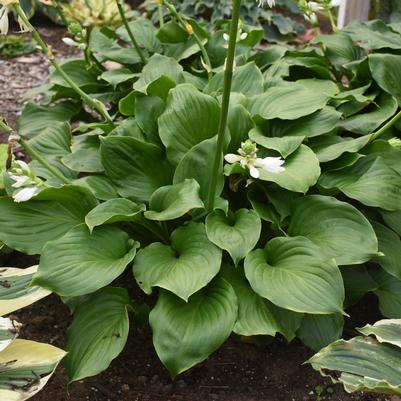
[
  {"x": 228, "y": 76},
  {"x": 35, "y": 155},
  {"x": 188, "y": 28},
  {"x": 154, "y": 229},
  {"x": 93, "y": 103},
  {"x": 129, "y": 31},
  {"x": 160, "y": 13},
  {"x": 385, "y": 127},
  {"x": 332, "y": 22}
]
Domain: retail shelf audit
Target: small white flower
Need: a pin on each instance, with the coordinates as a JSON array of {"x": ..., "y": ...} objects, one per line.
[
  {"x": 226, "y": 37},
  {"x": 22, "y": 26},
  {"x": 271, "y": 164},
  {"x": 243, "y": 36},
  {"x": 20, "y": 181},
  {"x": 247, "y": 158},
  {"x": 271, "y": 3},
  {"x": 4, "y": 20},
  {"x": 25, "y": 194}
]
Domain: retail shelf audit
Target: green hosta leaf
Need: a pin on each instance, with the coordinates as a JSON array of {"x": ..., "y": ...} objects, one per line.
[
  {"x": 99, "y": 185},
  {"x": 364, "y": 363},
  {"x": 288, "y": 321},
  {"x": 135, "y": 167},
  {"x": 144, "y": 32},
  {"x": 106, "y": 48},
  {"x": 284, "y": 145},
  {"x": 247, "y": 79},
  {"x": 255, "y": 314},
  {"x": 293, "y": 101},
  {"x": 328, "y": 147},
  {"x": 29, "y": 225},
  {"x": 365, "y": 123},
  {"x": 26, "y": 367},
  {"x": 373, "y": 35},
  {"x": 386, "y": 331},
  {"x": 340, "y": 229},
  {"x": 54, "y": 141},
  {"x": 186, "y": 333},
  {"x": 393, "y": 220},
  {"x": 36, "y": 119},
  {"x": 389, "y": 293},
  {"x": 159, "y": 70},
  {"x": 237, "y": 233},
  {"x": 183, "y": 268},
  {"x": 190, "y": 118},
  {"x": 117, "y": 76},
  {"x": 198, "y": 164},
  {"x": 9, "y": 330},
  {"x": 112, "y": 211},
  {"x": 79, "y": 262},
  {"x": 173, "y": 201},
  {"x": 317, "y": 331},
  {"x": 171, "y": 32},
  {"x": 315, "y": 124},
  {"x": 371, "y": 181},
  {"x": 390, "y": 246},
  {"x": 295, "y": 274},
  {"x": 339, "y": 48},
  {"x": 301, "y": 171},
  {"x": 386, "y": 71},
  {"x": 357, "y": 282},
  {"x": 15, "y": 289},
  {"x": 98, "y": 333}
]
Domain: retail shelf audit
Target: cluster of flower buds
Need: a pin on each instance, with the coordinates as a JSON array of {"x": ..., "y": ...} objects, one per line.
[
  {"x": 79, "y": 35},
  {"x": 26, "y": 183},
  {"x": 311, "y": 8},
  {"x": 247, "y": 157},
  {"x": 270, "y": 3}
]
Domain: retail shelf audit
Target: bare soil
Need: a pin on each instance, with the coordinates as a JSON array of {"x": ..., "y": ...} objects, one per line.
[{"x": 239, "y": 371}]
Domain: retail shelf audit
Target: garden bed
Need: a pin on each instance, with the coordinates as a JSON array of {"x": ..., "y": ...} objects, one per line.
[{"x": 239, "y": 371}]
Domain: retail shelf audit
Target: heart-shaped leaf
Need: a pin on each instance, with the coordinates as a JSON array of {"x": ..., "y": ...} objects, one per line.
[
  {"x": 190, "y": 118},
  {"x": 80, "y": 263},
  {"x": 173, "y": 201},
  {"x": 183, "y": 268},
  {"x": 135, "y": 167},
  {"x": 317, "y": 331},
  {"x": 112, "y": 211},
  {"x": 255, "y": 314},
  {"x": 340, "y": 229},
  {"x": 28, "y": 226},
  {"x": 295, "y": 274},
  {"x": 237, "y": 233},
  {"x": 186, "y": 333},
  {"x": 301, "y": 171},
  {"x": 98, "y": 333}
]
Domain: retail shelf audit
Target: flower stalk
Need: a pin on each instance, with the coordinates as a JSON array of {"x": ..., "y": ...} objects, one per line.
[
  {"x": 129, "y": 31},
  {"x": 228, "y": 76},
  {"x": 92, "y": 103},
  {"x": 188, "y": 28}
]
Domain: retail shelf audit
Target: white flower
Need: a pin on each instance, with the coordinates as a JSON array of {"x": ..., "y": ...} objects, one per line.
[
  {"x": 19, "y": 180},
  {"x": 4, "y": 20},
  {"x": 271, "y": 3},
  {"x": 247, "y": 158},
  {"x": 271, "y": 164},
  {"x": 25, "y": 194}
]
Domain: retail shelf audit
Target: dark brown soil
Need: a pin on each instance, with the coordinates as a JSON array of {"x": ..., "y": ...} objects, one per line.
[{"x": 237, "y": 372}]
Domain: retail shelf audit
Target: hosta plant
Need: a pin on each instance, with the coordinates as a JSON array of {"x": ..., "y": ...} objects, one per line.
[{"x": 251, "y": 192}]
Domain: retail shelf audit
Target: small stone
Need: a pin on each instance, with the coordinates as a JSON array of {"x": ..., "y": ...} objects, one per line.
[
  {"x": 181, "y": 384},
  {"x": 125, "y": 387},
  {"x": 142, "y": 379},
  {"x": 213, "y": 396},
  {"x": 154, "y": 379},
  {"x": 395, "y": 398}
]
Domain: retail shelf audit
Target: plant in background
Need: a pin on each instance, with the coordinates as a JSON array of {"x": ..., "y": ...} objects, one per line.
[
  {"x": 15, "y": 45},
  {"x": 276, "y": 24},
  {"x": 254, "y": 192}
]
